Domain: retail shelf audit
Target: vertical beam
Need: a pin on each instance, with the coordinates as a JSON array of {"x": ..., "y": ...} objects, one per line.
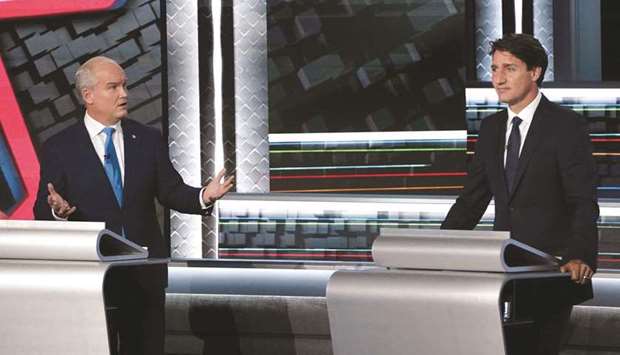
[
  {"x": 543, "y": 30},
  {"x": 184, "y": 118},
  {"x": 251, "y": 96},
  {"x": 488, "y": 27}
]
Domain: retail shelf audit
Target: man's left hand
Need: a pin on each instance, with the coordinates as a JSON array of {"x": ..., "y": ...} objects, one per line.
[
  {"x": 580, "y": 272},
  {"x": 216, "y": 188}
]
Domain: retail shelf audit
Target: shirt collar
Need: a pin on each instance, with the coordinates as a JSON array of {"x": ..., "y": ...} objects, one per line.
[
  {"x": 527, "y": 114},
  {"x": 95, "y": 127}
]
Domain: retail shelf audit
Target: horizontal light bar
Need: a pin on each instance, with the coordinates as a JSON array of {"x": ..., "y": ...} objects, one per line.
[
  {"x": 365, "y": 207},
  {"x": 584, "y": 95},
  {"x": 355, "y": 207},
  {"x": 364, "y": 150},
  {"x": 350, "y": 167},
  {"x": 367, "y": 136}
]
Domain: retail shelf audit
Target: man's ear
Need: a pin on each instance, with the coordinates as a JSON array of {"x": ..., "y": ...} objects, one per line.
[
  {"x": 87, "y": 96},
  {"x": 536, "y": 72}
]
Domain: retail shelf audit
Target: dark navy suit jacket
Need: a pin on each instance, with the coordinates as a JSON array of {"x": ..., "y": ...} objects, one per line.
[
  {"x": 553, "y": 205},
  {"x": 69, "y": 161}
]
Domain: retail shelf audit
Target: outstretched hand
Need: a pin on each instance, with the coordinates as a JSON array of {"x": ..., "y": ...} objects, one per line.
[
  {"x": 580, "y": 272},
  {"x": 217, "y": 188},
  {"x": 61, "y": 207}
]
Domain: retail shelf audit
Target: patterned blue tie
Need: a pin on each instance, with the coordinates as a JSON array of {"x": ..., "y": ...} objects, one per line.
[
  {"x": 512, "y": 153},
  {"x": 112, "y": 167}
]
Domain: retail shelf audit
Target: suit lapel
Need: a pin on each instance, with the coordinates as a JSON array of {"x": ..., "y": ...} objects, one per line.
[
  {"x": 132, "y": 159},
  {"x": 90, "y": 162},
  {"x": 501, "y": 146},
  {"x": 534, "y": 136}
]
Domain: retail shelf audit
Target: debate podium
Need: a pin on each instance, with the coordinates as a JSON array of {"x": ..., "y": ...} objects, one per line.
[
  {"x": 52, "y": 277},
  {"x": 442, "y": 292}
]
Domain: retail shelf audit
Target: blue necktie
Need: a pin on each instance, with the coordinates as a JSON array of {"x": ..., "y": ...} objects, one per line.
[
  {"x": 512, "y": 153},
  {"x": 112, "y": 167}
]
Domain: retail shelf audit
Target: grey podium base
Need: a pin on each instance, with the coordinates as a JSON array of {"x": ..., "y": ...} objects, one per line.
[
  {"x": 55, "y": 307},
  {"x": 405, "y": 312}
]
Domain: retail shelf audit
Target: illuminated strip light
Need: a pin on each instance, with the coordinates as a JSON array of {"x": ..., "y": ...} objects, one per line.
[
  {"x": 349, "y": 167},
  {"x": 591, "y": 137},
  {"x": 362, "y": 150},
  {"x": 350, "y": 137},
  {"x": 366, "y": 256},
  {"x": 218, "y": 93},
  {"x": 277, "y": 218},
  {"x": 347, "y": 176},
  {"x": 365, "y": 143},
  {"x": 594, "y": 140},
  {"x": 585, "y": 95},
  {"x": 385, "y": 224},
  {"x": 216, "y": 9},
  {"x": 609, "y": 210},
  {"x": 609, "y": 260},
  {"x": 595, "y": 104},
  {"x": 319, "y": 250},
  {"x": 578, "y": 107},
  {"x": 366, "y": 189},
  {"x": 358, "y": 207},
  {"x": 518, "y": 16}
]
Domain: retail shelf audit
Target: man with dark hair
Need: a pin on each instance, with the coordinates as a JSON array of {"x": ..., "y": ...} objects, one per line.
[{"x": 535, "y": 160}]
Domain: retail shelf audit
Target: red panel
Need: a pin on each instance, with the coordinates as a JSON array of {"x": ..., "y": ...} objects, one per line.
[
  {"x": 11, "y": 9},
  {"x": 20, "y": 144}
]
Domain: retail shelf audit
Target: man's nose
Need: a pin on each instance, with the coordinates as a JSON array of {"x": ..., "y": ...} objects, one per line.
[{"x": 498, "y": 78}]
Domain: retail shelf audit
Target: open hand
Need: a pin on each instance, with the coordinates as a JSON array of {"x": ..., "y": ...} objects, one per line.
[
  {"x": 216, "y": 188},
  {"x": 61, "y": 207},
  {"x": 580, "y": 272}
]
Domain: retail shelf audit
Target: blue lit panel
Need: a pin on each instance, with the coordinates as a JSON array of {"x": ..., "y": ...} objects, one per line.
[{"x": 11, "y": 185}]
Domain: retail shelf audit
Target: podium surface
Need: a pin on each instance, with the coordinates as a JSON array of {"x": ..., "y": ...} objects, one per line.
[
  {"x": 51, "y": 285},
  {"x": 439, "y": 292}
]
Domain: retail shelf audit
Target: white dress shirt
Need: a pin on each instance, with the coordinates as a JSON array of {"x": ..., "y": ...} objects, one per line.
[
  {"x": 526, "y": 115},
  {"x": 98, "y": 137}
]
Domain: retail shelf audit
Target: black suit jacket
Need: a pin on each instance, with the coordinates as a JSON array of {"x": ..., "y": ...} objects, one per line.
[
  {"x": 69, "y": 161},
  {"x": 553, "y": 205}
]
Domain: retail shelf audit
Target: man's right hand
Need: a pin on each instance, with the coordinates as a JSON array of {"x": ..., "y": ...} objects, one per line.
[{"x": 59, "y": 205}]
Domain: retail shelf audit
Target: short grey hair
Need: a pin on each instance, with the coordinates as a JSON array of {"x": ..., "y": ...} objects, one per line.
[{"x": 84, "y": 77}]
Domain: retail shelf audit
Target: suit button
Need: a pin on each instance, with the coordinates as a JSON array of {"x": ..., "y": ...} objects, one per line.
[{"x": 512, "y": 209}]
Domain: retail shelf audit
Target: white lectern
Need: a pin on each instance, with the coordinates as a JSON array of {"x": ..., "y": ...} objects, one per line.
[
  {"x": 51, "y": 285},
  {"x": 441, "y": 292}
]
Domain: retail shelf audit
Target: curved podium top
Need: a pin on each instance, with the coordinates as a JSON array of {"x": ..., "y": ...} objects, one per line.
[
  {"x": 457, "y": 250},
  {"x": 59, "y": 240}
]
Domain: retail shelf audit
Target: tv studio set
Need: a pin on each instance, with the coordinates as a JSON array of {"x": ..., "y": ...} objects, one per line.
[{"x": 309, "y": 177}]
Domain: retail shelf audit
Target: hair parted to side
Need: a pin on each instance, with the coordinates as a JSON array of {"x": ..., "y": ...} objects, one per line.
[
  {"x": 525, "y": 47},
  {"x": 84, "y": 77}
]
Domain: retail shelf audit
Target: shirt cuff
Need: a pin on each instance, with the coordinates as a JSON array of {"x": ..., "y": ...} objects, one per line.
[
  {"x": 204, "y": 205},
  {"x": 58, "y": 218}
]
